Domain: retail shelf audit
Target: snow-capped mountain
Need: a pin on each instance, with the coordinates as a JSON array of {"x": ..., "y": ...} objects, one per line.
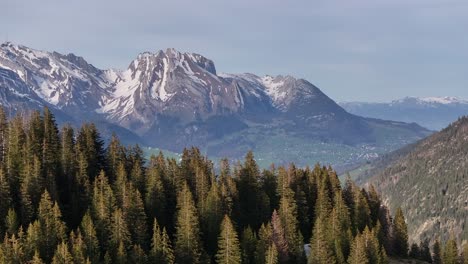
[
  {"x": 431, "y": 112},
  {"x": 173, "y": 99}
]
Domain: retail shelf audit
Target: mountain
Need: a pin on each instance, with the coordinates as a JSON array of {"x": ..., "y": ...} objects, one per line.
[
  {"x": 429, "y": 180},
  {"x": 170, "y": 100},
  {"x": 432, "y": 112}
]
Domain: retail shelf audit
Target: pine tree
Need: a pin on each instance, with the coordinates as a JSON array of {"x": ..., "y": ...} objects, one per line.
[
  {"x": 102, "y": 206},
  {"x": 211, "y": 218},
  {"x": 78, "y": 247},
  {"x": 51, "y": 153},
  {"x": 52, "y": 228},
  {"x": 155, "y": 199},
  {"x": 11, "y": 222},
  {"x": 358, "y": 253},
  {"x": 188, "y": 247},
  {"x": 437, "y": 253},
  {"x": 3, "y": 135},
  {"x": 465, "y": 254},
  {"x": 288, "y": 215},
  {"x": 248, "y": 245},
  {"x": 36, "y": 259},
  {"x": 62, "y": 255},
  {"x": 91, "y": 144},
  {"x": 90, "y": 238},
  {"x": 450, "y": 252},
  {"x": 400, "y": 234},
  {"x": 264, "y": 242},
  {"x": 279, "y": 237},
  {"x": 134, "y": 213},
  {"x": 138, "y": 255},
  {"x": 161, "y": 250},
  {"x": 5, "y": 197},
  {"x": 321, "y": 251},
  {"x": 228, "y": 244},
  {"x": 119, "y": 234},
  {"x": 121, "y": 254},
  {"x": 271, "y": 255},
  {"x": 33, "y": 239}
]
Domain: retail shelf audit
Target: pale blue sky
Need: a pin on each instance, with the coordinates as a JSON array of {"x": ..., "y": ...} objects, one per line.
[{"x": 353, "y": 50}]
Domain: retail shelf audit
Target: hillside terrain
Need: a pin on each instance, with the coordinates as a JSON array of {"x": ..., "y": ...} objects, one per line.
[
  {"x": 430, "y": 182},
  {"x": 434, "y": 113}
]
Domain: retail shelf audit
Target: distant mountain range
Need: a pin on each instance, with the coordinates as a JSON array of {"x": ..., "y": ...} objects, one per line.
[
  {"x": 169, "y": 99},
  {"x": 434, "y": 113},
  {"x": 429, "y": 180}
]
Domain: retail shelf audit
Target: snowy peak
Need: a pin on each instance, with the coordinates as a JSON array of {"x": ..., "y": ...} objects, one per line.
[
  {"x": 66, "y": 81},
  {"x": 446, "y": 100}
]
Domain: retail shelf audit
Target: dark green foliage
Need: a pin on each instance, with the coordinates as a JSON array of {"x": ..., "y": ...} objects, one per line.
[
  {"x": 437, "y": 253},
  {"x": 400, "y": 233},
  {"x": 64, "y": 199}
]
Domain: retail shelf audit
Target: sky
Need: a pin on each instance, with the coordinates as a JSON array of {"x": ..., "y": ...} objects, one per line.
[{"x": 370, "y": 50}]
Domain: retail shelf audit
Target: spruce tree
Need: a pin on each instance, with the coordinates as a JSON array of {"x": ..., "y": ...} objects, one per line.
[
  {"x": 465, "y": 254},
  {"x": 288, "y": 215},
  {"x": 321, "y": 252},
  {"x": 119, "y": 234},
  {"x": 90, "y": 237},
  {"x": 52, "y": 228},
  {"x": 161, "y": 250},
  {"x": 437, "y": 252},
  {"x": 450, "y": 255},
  {"x": 11, "y": 222},
  {"x": 264, "y": 242},
  {"x": 102, "y": 206},
  {"x": 62, "y": 255},
  {"x": 211, "y": 218},
  {"x": 358, "y": 253},
  {"x": 228, "y": 244},
  {"x": 248, "y": 245},
  {"x": 36, "y": 259},
  {"x": 188, "y": 247},
  {"x": 271, "y": 255},
  {"x": 400, "y": 232}
]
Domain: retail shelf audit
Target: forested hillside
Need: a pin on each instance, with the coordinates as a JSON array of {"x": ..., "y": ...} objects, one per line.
[
  {"x": 430, "y": 183},
  {"x": 67, "y": 198}
]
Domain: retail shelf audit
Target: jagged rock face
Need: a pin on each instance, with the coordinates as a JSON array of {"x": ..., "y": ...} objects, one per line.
[
  {"x": 65, "y": 81},
  {"x": 174, "y": 99}
]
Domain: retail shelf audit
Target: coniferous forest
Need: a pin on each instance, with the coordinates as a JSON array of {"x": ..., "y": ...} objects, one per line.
[{"x": 68, "y": 197}]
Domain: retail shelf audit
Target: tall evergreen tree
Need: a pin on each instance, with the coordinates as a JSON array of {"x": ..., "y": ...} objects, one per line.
[
  {"x": 321, "y": 252},
  {"x": 288, "y": 215},
  {"x": 51, "y": 153},
  {"x": 437, "y": 252},
  {"x": 271, "y": 255},
  {"x": 400, "y": 234},
  {"x": 228, "y": 244},
  {"x": 450, "y": 252},
  {"x": 102, "y": 206},
  {"x": 62, "y": 255},
  {"x": 188, "y": 247},
  {"x": 211, "y": 218},
  {"x": 119, "y": 234},
  {"x": 161, "y": 250},
  {"x": 90, "y": 237},
  {"x": 53, "y": 230},
  {"x": 248, "y": 245}
]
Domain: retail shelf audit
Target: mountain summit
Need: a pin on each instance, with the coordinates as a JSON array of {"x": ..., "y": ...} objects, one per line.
[{"x": 172, "y": 99}]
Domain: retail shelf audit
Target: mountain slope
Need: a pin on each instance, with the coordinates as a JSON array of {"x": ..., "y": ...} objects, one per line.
[
  {"x": 431, "y": 112},
  {"x": 172, "y": 100},
  {"x": 430, "y": 182}
]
